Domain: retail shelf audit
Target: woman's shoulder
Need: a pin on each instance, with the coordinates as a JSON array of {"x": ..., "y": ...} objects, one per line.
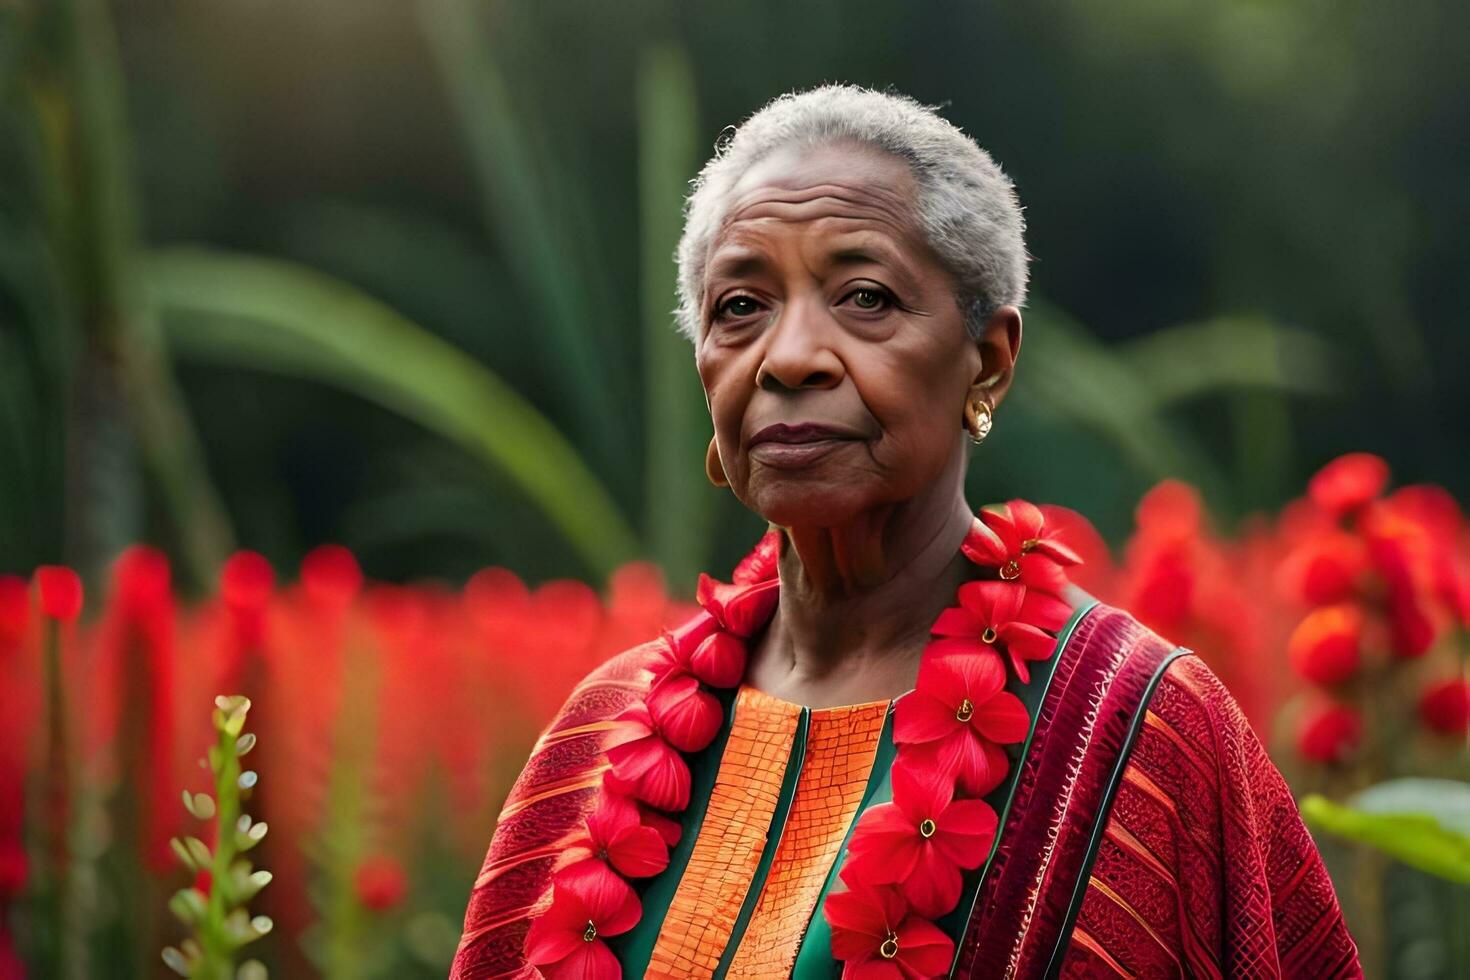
[
  {"x": 1184, "y": 683},
  {"x": 607, "y": 689}
]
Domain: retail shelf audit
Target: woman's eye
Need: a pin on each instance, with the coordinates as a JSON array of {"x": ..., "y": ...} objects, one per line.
[
  {"x": 738, "y": 306},
  {"x": 868, "y": 299}
]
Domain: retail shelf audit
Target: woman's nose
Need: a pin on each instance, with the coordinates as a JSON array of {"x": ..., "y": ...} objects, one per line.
[{"x": 798, "y": 350}]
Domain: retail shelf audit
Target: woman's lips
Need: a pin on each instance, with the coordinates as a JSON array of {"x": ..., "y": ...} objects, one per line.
[{"x": 785, "y": 446}]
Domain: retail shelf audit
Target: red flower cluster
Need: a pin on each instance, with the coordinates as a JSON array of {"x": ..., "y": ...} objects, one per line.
[
  {"x": 1385, "y": 575},
  {"x": 372, "y": 700},
  {"x": 906, "y": 860}
]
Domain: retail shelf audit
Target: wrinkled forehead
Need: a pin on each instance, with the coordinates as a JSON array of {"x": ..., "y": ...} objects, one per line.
[{"x": 846, "y": 186}]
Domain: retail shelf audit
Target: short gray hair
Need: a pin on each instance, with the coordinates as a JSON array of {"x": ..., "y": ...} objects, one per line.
[{"x": 966, "y": 207}]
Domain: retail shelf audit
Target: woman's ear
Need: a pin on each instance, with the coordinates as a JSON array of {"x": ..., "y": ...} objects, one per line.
[
  {"x": 713, "y": 468},
  {"x": 1000, "y": 345}
]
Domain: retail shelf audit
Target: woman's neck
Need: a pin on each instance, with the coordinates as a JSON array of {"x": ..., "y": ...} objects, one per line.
[{"x": 857, "y": 601}]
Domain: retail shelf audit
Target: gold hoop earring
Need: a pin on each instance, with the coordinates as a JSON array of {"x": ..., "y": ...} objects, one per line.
[{"x": 978, "y": 418}]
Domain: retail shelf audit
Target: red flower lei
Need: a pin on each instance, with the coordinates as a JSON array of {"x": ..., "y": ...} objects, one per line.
[{"x": 907, "y": 858}]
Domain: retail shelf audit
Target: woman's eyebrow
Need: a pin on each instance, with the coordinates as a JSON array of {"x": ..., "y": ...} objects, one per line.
[
  {"x": 737, "y": 265},
  {"x": 873, "y": 253}
]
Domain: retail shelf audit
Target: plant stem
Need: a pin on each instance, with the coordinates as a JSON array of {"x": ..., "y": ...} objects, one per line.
[{"x": 218, "y": 955}]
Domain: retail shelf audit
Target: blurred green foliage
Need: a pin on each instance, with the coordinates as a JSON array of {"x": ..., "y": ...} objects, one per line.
[{"x": 399, "y": 275}]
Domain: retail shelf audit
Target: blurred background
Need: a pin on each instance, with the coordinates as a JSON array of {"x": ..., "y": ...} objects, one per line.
[{"x": 395, "y": 277}]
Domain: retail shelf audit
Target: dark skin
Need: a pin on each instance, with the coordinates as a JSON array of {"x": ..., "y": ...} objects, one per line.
[{"x": 837, "y": 367}]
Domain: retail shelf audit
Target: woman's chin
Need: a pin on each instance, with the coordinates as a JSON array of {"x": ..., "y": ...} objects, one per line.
[{"x": 794, "y": 503}]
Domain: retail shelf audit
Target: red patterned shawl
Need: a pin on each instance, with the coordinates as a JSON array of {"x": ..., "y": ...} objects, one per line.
[{"x": 1142, "y": 778}]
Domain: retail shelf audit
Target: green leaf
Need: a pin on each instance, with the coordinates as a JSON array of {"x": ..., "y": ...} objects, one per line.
[
  {"x": 1227, "y": 353},
  {"x": 1066, "y": 372},
  {"x": 182, "y": 852},
  {"x": 199, "y": 852},
  {"x": 175, "y": 961},
  {"x": 1446, "y": 800},
  {"x": 678, "y": 505},
  {"x": 518, "y": 206},
  {"x": 189, "y": 905},
  {"x": 285, "y": 318},
  {"x": 1417, "y": 839}
]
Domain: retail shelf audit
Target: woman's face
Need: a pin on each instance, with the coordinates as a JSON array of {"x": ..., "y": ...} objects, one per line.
[{"x": 834, "y": 353}]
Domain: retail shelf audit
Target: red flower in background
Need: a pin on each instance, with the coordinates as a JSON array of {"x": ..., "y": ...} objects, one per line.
[
  {"x": 1445, "y": 706},
  {"x": 958, "y": 715},
  {"x": 15, "y": 612},
  {"x": 1326, "y": 646},
  {"x": 588, "y": 903},
  {"x": 1348, "y": 482},
  {"x": 878, "y": 937},
  {"x": 380, "y": 883},
  {"x": 330, "y": 575},
  {"x": 13, "y": 869},
  {"x": 922, "y": 841},
  {"x": 246, "y": 585},
  {"x": 61, "y": 592},
  {"x": 1324, "y": 569},
  {"x": 618, "y": 835},
  {"x": 1403, "y": 551},
  {"x": 1329, "y": 732}
]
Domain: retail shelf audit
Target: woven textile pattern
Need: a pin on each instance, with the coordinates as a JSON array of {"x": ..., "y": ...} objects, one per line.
[
  {"x": 1206, "y": 869},
  {"x": 702, "y": 915},
  {"x": 840, "y": 748}
]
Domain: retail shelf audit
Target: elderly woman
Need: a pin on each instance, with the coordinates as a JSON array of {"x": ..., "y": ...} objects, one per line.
[{"x": 898, "y": 743}]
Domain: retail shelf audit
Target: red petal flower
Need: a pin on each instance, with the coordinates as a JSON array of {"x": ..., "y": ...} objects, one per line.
[
  {"x": 330, "y": 575},
  {"x": 644, "y": 765},
  {"x": 617, "y": 834},
  {"x": 922, "y": 840},
  {"x": 1329, "y": 733},
  {"x": 1411, "y": 631},
  {"x": 246, "y": 580},
  {"x": 1013, "y": 538},
  {"x": 685, "y": 639},
  {"x": 1325, "y": 646},
  {"x": 15, "y": 612},
  {"x": 61, "y": 592},
  {"x": 13, "y": 870},
  {"x": 685, "y": 714},
  {"x": 588, "y": 901},
  {"x": 1011, "y": 616},
  {"x": 380, "y": 883},
  {"x": 1325, "y": 568},
  {"x": 719, "y": 660},
  {"x": 589, "y": 961},
  {"x": 958, "y": 711},
  {"x": 668, "y": 830},
  {"x": 762, "y": 562},
  {"x": 1445, "y": 706},
  {"x": 741, "y": 609},
  {"x": 873, "y": 928},
  {"x": 1348, "y": 482}
]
